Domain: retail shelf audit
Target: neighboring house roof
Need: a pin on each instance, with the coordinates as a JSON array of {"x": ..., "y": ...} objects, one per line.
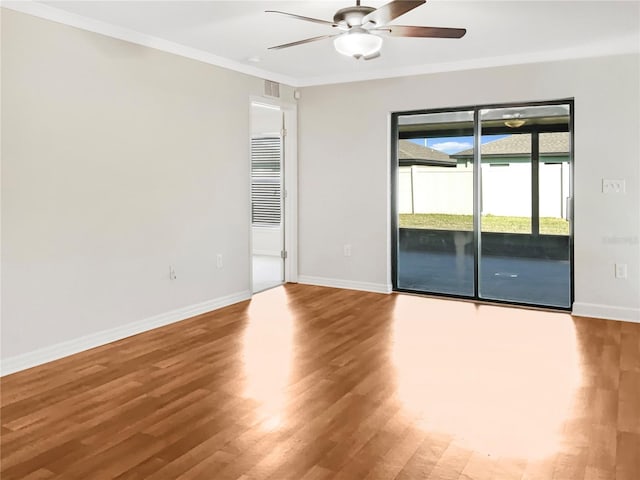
[
  {"x": 410, "y": 153},
  {"x": 550, "y": 143}
]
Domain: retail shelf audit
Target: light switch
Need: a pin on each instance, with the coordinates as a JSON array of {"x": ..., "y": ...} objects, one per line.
[{"x": 613, "y": 186}]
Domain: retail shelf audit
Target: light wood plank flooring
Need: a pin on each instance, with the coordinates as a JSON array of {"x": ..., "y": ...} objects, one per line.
[{"x": 311, "y": 383}]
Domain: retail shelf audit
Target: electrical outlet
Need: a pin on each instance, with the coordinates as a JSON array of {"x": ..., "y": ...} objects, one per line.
[
  {"x": 613, "y": 186},
  {"x": 621, "y": 270},
  {"x": 219, "y": 260},
  {"x": 347, "y": 250},
  {"x": 172, "y": 273}
]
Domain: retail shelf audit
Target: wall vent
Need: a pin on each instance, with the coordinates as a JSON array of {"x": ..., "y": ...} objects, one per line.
[{"x": 271, "y": 89}]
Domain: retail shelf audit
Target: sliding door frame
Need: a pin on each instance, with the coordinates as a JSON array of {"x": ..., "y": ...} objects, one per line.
[{"x": 477, "y": 196}]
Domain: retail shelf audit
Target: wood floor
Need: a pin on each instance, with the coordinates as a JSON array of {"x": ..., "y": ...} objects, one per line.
[{"x": 312, "y": 383}]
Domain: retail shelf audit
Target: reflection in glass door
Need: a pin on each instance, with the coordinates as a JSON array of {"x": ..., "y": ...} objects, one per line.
[
  {"x": 482, "y": 200},
  {"x": 435, "y": 204},
  {"x": 525, "y": 190}
]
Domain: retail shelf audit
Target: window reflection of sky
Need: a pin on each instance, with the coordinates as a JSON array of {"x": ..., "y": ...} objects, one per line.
[{"x": 452, "y": 145}]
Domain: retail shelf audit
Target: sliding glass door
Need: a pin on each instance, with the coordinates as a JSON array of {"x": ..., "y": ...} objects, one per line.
[
  {"x": 482, "y": 200},
  {"x": 435, "y": 204}
]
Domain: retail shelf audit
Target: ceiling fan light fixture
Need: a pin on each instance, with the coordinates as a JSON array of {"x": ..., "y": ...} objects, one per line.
[
  {"x": 514, "y": 120},
  {"x": 515, "y": 123},
  {"x": 357, "y": 42}
]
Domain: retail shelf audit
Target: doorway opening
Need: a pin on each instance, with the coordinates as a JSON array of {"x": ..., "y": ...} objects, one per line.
[
  {"x": 267, "y": 206},
  {"x": 481, "y": 201},
  {"x": 273, "y": 193}
]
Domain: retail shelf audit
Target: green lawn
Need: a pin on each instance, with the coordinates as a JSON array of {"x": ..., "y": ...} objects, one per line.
[{"x": 490, "y": 223}]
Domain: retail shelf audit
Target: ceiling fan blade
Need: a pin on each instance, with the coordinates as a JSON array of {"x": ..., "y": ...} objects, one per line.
[
  {"x": 391, "y": 11},
  {"x": 300, "y": 17},
  {"x": 300, "y": 42},
  {"x": 431, "y": 32}
]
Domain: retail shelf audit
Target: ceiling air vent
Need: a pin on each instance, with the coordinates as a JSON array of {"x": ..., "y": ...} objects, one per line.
[{"x": 271, "y": 89}]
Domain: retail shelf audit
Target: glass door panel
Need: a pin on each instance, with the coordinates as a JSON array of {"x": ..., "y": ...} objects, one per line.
[
  {"x": 435, "y": 203},
  {"x": 525, "y": 191}
]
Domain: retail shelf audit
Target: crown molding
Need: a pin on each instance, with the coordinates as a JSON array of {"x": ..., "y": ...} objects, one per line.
[
  {"x": 53, "y": 14},
  {"x": 621, "y": 45}
]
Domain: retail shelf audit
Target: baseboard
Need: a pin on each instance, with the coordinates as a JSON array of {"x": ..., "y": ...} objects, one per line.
[
  {"x": 70, "y": 347},
  {"x": 348, "y": 284},
  {"x": 608, "y": 312}
]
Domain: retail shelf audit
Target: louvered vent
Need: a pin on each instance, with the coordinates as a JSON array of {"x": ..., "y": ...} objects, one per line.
[
  {"x": 265, "y": 181},
  {"x": 271, "y": 89}
]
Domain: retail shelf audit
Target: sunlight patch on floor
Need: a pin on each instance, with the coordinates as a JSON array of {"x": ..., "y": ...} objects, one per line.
[{"x": 487, "y": 394}]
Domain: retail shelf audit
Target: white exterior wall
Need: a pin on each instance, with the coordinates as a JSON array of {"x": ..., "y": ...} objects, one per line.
[
  {"x": 555, "y": 180},
  {"x": 436, "y": 190},
  {"x": 506, "y": 190}
]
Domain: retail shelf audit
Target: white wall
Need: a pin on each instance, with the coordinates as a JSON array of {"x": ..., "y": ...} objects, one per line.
[
  {"x": 117, "y": 161},
  {"x": 340, "y": 205}
]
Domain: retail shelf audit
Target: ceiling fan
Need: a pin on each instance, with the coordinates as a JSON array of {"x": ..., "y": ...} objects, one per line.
[{"x": 360, "y": 28}]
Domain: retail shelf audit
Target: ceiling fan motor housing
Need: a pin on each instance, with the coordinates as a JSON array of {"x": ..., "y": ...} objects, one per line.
[{"x": 351, "y": 16}]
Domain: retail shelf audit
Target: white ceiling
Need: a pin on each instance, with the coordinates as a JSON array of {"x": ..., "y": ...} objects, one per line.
[{"x": 230, "y": 33}]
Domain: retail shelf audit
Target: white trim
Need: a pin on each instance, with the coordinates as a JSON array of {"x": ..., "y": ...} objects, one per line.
[
  {"x": 608, "y": 312},
  {"x": 78, "y": 21},
  {"x": 617, "y": 46},
  {"x": 290, "y": 111},
  {"x": 348, "y": 284},
  {"x": 70, "y": 347}
]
